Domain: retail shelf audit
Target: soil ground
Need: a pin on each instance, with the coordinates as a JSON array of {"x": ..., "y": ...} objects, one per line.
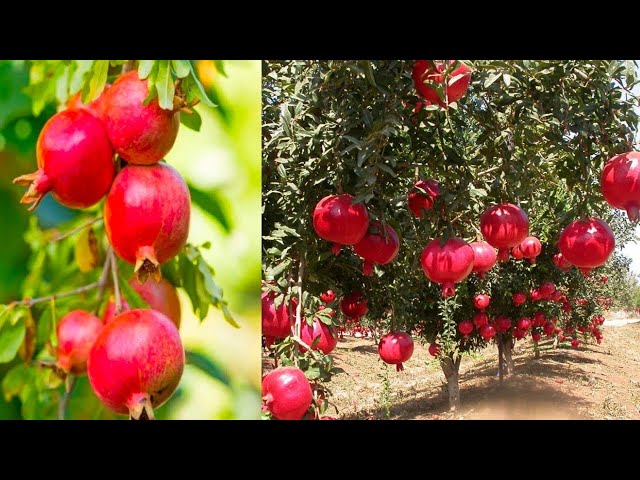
[{"x": 591, "y": 382}]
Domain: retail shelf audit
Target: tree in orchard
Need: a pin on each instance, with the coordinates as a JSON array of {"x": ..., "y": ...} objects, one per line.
[
  {"x": 532, "y": 134},
  {"x": 100, "y": 297}
]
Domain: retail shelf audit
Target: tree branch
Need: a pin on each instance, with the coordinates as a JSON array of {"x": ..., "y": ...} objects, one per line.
[
  {"x": 32, "y": 301},
  {"x": 64, "y": 235},
  {"x": 62, "y": 407}
]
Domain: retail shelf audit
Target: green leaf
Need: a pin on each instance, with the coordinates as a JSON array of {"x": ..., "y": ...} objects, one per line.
[
  {"x": 144, "y": 68},
  {"x": 208, "y": 366},
  {"x": 11, "y": 336},
  {"x": 164, "y": 85},
  {"x": 181, "y": 68},
  {"x": 192, "y": 121},
  {"x": 219, "y": 64},
  {"x": 15, "y": 380},
  {"x": 211, "y": 202},
  {"x": 197, "y": 89},
  {"x": 489, "y": 81},
  {"x": 97, "y": 81},
  {"x": 131, "y": 296}
]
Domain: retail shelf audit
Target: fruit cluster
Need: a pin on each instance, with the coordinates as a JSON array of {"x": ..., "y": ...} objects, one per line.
[{"x": 134, "y": 359}]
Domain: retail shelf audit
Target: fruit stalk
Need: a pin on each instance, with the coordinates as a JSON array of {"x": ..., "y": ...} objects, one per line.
[
  {"x": 62, "y": 407},
  {"x": 116, "y": 284}
]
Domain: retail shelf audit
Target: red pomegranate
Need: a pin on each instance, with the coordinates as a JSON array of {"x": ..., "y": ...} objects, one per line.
[
  {"x": 328, "y": 297},
  {"x": 276, "y": 322},
  {"x": 535, "y": 336},
  {"x": 287, "y": 393},
  {"x": 484, "y": 257},
  {"x": 503, "y": 324},
  {"x": 603, "y": 279},
  {"x": 465, "y": 327},
  {"x": 434, "y": 349},
  {"x": 549, "y": 329},
  {"x": 146, "y": 216},
  {"x": 136, "y": 363},
  {"x": 524, "y": 323},
  {"x": 519, "y": 334},
  {"x": 504, "y": 226},
  {"x": 560, "y": 262},
  {"x": 519, "y": 298},
  {"x": 395, "y": 348},
  {"x": 95, "y": 107},
  {"x": 457, "y": 82},
  {"x": 575, "y": 343},
  {"x": 480, "y": 319},
  {"x": 110, "y": 309},
  {"x": 530, "y": 248},
  {"x": 338, "y": 220},
  {"x": 328, "y": 337},
  {"x": 517, "y": 253},
  {"x": 161, "y": 296},
  {"x": 487, "y": 332},
  {"x": 535, "y": 295},
  {"x": 539, "y": 319},
  {"x": 141, "y": 134},
  {"x": 77, "y": 332},
  {"x": 620, "y": 183},
  {"x": 75, "y": 161},
  {"x": 481, "y": 301},
  {"x": 354, "y": 305},
  {"x": 376, "y": 247},
  {"x": 547, "y": 289},
  {"x": 447, "y": 262},
  {"x": 422, "y": 196},
  {"x": 587, "y": 243}
]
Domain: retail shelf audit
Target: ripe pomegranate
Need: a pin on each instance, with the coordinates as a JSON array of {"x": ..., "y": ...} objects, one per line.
[
  {"x": 535, "y": 336},
  {"x": 539, "y": 319},
  {"x": 136, "y": 362},
  {"x": 276, "y": 322},
  {"x": 535, "y": 295},
  {"x": 75, "y": 161},
  {"x": 517, "y": 253},
  {"x": 354, "y": 305},
  {"x": 556, "y": 296},
  {"x": 338, "y": 220},
  {"x": 457, "y": 82},
  {"x": 110, "y": 309},
  {"x": 530, "y": 248},
  {"x": 620, "y": 183},
  {"x": 77, "y": 332},
  {"x": 420, "y": 201},
  {"x": 566, "y": 307},
  {"x": 481, "y": 301},
  {"x": 587, "y": 243},
  {"x": 547, "y": 289},
  {"x": 146, "y": 216},
  {"x": 487, "y": 332},
  {"x": 395, "y": 348},
  {"x": 480, "y": 319},
  {"x": 549, "y": 329},
  {"x": 328, "y": 297},
  {"x": 465, "y": 327},
  {"x": 519, "y": 298},
  {"x": 603, "y": 279},
  {"x": 575, "y": 343},
  {"x": 447, "y": 262},
  {"x": 95, "y": 107},
  {"x": 287, "y": 393},
  {"x": 434, "y": 349},
  {"x": 484, "y": 259},
  {"x": 503, "y": 324},
  {"x": 524, "y": 323},
  {"x": 161, "y": 296},
  {"x": 328, "y": 337},
  {"x": 504, "y": 226},
  {"x": 374, "y": 248},
  {"x": 519, "y": 334},
  {"x": 141, "y": 134},
  {"x": 561, "y": 262}
]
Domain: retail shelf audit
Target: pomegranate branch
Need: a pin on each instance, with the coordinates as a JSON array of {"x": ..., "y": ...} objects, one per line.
[{"x": 64, "y": 235}]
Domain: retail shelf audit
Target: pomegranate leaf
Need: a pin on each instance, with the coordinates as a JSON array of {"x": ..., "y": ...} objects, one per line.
[
  {"x": 15, "y": 380},
  {"x": 164, "y": 85},
  {"x": 144, "y": 68},
  {"x": 11, "y": 336},
  {"x": 192, "y": 121},
  {"x": 181, "y": 68}
]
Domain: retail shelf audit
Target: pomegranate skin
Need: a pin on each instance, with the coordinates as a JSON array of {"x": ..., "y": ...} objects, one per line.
[
  {"x": 146, "y": 216},
  {"x": 354, "y": 305},
  {"x": 620, "y": 183},
  {"x": 95, "y": 107},
  {"x": 395, "y": 348},
  {"x": 484, "y": 259},
  {"x": 423, "y": 70},
  {"x": 481, "y": 302},
  {"x": 561, "y": 262},
  {"x": 337, "y": 220},
  {"x": 276, "y": 323},
  {"x": 375, "y": 249},
  {"x": 480, "y": 319},
  {"x": 517, "y": 253},
  {"x": 504, "y": 226},
  {"x": 434, "y": 349},
  {"x": 136, "y": 363},
  {"x": 77, "y": 332},
  {"x": 530, "y": 248},
  {"x": 448, "y": 264},
  {"x": 519, "y": 298},
  {"x": 328, "y": 336},
  {"x": 161, "y": 296},
  {"x": 465, "y": 327},
  {"x": 141, "y": 134},
  {"x": 287, "y": 393},
  {"x": 524, "y": 323},
  {"x": 586, "y": 243},
  {"x": 487, "y": 332},
  {"x": 75, "y": 161},
  {"x": 418, "y": 203}
]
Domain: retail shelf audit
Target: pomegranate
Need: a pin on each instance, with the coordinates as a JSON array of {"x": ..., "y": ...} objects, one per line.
[
  {"x": 517, "y": 253},
  {"x": 560, "y": 262},
  {"x": 504, "y": 226},
  {"x": 287, "y": 393},
  {"x": 535, "y": 295},
  {"x": 422, "y": 196},
  {"x": 379, "y": 246},
  {"x": 487, "y": 332},
  {"x": 146, "y": 216},
  {"x": 503, "y": 324},
  {"x": 328, "y": 296},
  {"x": 141, "y": 134},
  {"x": 535, "y": 336},
  {"x": 549, "y": 329},
  {"x": 484, "y": 257},
  {"x": 524, "y": 323},
  {"x": 481, "y": 301},
  {"x": 519, "y": 334},
  {"x": 575, "y": 343},
  {"x": 110, "y": 309},
  {"x": 465, "y": 327},
  {"x": 566, "y": 307},
  {"x": 354, "y": 305},
  {"x": 161, "y": 296},
  {"x": 338, "y": 220},
  {"x": 530, "y": 248},
  {"x": 519, "y": 298},
  {"x": 77, "y": 332},
  {"x": 587, "y": 243},
  {"x": 136, "y": 363},
  {"x": 447, "y": 262},
  {"x": 620, "y": 183},
  {"x": 603, "y": 279},
  {"x": 480, "y": 319},
  {"x": 95, "y": 107},
  {"x": 457, "y": 82},
  {"x": 547, "y": 289},
  {"x": 434, "y": 349},
  {"x": 276, "y": 322},
  {"x": 395, "y": 348},
  {"x": 328, "y": 337},
  {"x": 539, "y": 319},
  {"x": 75, "y": 161}
]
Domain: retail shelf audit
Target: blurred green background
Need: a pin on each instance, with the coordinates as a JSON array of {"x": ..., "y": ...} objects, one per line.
[{"x": 221, "y": 163}]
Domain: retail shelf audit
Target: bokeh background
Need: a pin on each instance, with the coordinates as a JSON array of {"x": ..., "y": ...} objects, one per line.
[{"x": 222, "y": 163}]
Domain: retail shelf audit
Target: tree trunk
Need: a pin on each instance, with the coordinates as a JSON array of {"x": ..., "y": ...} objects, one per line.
[
  {"x": 500, "y": 358},
  {"x": 451, "y": 370},
  {"x": 505, "y": 359}
]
